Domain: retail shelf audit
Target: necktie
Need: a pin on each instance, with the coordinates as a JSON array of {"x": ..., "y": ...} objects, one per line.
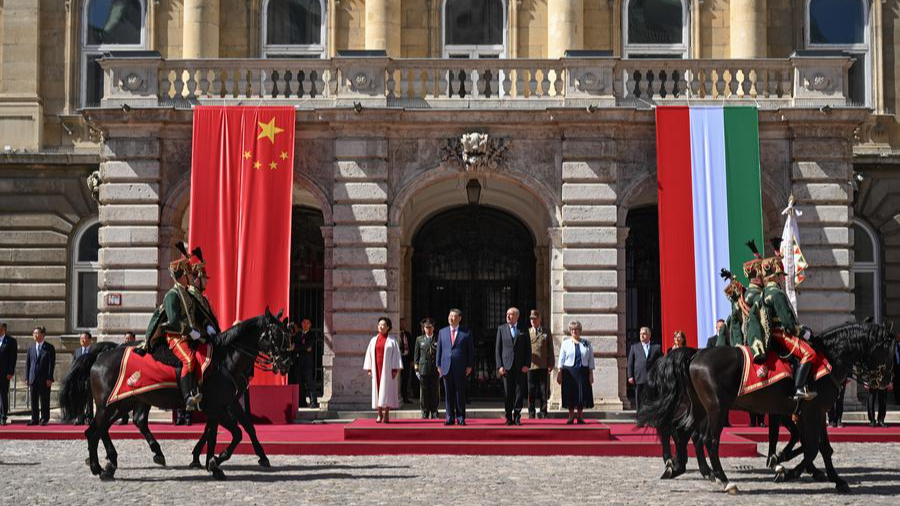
[
  {"x": 512, "y": 331},
  {"x": 646, "y": 351},
  {"x": 452, "y": 336}
]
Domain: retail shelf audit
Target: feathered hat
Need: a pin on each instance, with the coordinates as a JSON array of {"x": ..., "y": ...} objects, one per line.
[
  {"x": 181, "y": 265},
  {"x": 198, "y": 265},
  {"x": 773, "y": 266},
  {"x": 752, "y": 267}
]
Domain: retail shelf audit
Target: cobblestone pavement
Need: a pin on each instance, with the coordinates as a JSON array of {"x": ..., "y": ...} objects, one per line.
[{"x": 53, "y": 472}]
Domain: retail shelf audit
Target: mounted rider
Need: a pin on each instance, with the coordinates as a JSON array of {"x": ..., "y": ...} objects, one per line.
[
  {"x": 780, "y": 322},
  {"x": 206, "y": 319},
  {"x": 177, "y": 320},
  {"x": 731, "y": 334},
  {"x": 752, "y": 327}
]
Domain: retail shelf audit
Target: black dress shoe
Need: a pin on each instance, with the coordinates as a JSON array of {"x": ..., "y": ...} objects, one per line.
[
  {"x": 32, "y": 422},
  {"x": 881, "y": 424},
  {"x": 518, "y": 422},
  {"x": 580, "y": 421},
  {"x": 872, "y": 423},
  {"x": 43, "y": 422},
  {"x": 570, "y": 421},
  {"x": 449, "y": 422},
  {"x": 461, "y": 422},
  {"x": 508, "y": 422}
]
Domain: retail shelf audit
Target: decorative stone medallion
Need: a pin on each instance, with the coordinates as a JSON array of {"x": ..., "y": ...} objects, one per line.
[{"x": 475, "y": 151}]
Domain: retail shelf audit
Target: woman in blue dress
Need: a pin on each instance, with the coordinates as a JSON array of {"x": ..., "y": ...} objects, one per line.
[{"x": 575, "y": 373}]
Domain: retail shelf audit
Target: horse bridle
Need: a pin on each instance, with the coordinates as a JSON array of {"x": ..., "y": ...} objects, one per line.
[{"x": 264, "y": 360}]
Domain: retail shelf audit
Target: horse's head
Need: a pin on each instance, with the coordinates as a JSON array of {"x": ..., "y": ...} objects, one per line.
[
  {"x": 275, "y": 341},
  {"x": 877, "y": 366}
]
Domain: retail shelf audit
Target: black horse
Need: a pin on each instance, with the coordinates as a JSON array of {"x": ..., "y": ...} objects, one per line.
[
  {"x": 697, "y": 389},
  {"x": 262, "y": 339}
]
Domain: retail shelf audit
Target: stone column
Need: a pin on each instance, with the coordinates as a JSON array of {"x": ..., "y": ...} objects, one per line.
[
  {"x": 589, "y": 259},
  {"x": 129, "y": 235},
  {"x": 565, "y": 26},
  {"x": 748, "y": 28},
  {"x": 362, "y": 276},
  {"x": 201, "y": 29},
  {"x": 21, "y": 112},
  {"x": 383, "y": 26}
]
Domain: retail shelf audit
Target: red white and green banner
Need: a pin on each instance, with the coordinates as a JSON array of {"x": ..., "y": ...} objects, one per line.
[
  {"x": 710, "y": 205},
  {"x": 241, "y": 197}
]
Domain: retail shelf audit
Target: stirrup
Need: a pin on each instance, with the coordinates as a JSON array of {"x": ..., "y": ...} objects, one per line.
[
  {"x": 192, "y": 401},
  {"x": 802, "y": 394}
]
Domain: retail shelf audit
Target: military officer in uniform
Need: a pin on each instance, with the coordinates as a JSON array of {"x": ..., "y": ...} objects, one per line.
[
  {"x": 176, "y": 321},
  {"x": 781, "y": 325},
  {"x": 730, "y": 334},
  {"x": 426, "y": 370},
  {"x": 206, "y": 319},
  {"x": 751, "y": 328}
]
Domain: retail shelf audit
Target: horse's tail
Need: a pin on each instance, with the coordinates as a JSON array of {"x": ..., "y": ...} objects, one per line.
[
  {"x": 667, "y": 401},
  {"x": 75, "y": 393}
]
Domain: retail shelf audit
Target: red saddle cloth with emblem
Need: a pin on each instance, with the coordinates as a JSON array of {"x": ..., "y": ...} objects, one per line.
[
  {"x": 778, "y": 369},
  {"x": 142, "y": 373}
]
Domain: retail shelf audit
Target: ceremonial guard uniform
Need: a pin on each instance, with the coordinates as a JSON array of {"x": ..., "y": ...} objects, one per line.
[
  {"x": 731, "y": 334},
  {"x": 750, "y": 304},
  {"x": 426, "y": 370},
  {"x": 780, "y": 324},
  {"x": 176, "y": 320}
]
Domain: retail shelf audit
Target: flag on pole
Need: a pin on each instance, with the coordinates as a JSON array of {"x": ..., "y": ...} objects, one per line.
[
  {"x": 241, "y": 190},
  {"x": 792, "y": 257},
  {"x": 710, "y": 204}
]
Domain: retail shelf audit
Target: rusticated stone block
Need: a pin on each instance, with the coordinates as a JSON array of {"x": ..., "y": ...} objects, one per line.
[
  {"x": 823, "y": 215},
  {"x": 360, "y": 192},
  {"x": 589, "y": 215},
  {"x": 822, "y": 192},
  {"x": 589, "y": 171},
  {"x": 580, "y": 302},
  {"x": 589, "y": 236},
  {"x": 115, "y": 171},
  {"x": 360, "y": 170},
  {"x": 129, "y": 236},
  {"x": 581, "y": 258},
  {"x": 360, "y": 148},
  {"x": 129, "y": 257},
  {"x": 583, "y": 280},
  {"x": 128, "y": 279},
  {"x": 359, "y": 257},
  {"x": 360, "y": 213},
  {"x": 584, "y": 149},
  {"x": 134, "y": 214},
  {"x": 824, "y": 301},
  {"x": 123, "y": 147},
  {"x": 587, "y": 193},
  {"x": 365, "y": 235},
  {"x": 821, "y": 170},
  {"x": 359, "y": 278},
  {"x": 129, "y": 193},
  {"x": 368, "y": 300},
  {"x": 592, "y": 324},
  {"x": 131, "y": 301},
  {"x": 123, "y": 322}
]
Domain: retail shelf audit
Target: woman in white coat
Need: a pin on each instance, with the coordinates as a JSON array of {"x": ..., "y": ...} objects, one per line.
[{"x": 383, "y": 358}]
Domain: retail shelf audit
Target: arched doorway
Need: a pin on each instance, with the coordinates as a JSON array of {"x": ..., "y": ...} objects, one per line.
[
  {"x": 308, "y": 276},
  {"x": 642, "y": 296},
  {"x": 481, "y": 260}
]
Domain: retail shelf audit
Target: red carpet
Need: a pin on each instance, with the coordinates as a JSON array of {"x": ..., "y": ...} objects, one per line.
[{"x": 480, "y": 437}]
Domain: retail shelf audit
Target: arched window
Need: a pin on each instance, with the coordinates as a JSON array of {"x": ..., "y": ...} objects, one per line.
[
  {"x": 85, "y": 268},
  {"x": 474, "y": 28},
  {"x": 866, "y": 271},
  {"x": 842, "y": 25},
  {"x": 294, "y": 29},
  {"x": 108, "y": 25},
  {"x": 655, "y": 28}
]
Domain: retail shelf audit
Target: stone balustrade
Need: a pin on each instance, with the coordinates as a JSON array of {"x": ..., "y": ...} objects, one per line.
[{"x": 801, "y": 81}]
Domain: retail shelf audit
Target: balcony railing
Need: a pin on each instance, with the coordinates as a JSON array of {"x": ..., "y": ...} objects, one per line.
[{"x": 803, "y": 81}]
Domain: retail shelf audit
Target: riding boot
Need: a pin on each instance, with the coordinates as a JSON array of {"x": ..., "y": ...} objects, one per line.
[
  {"x": 192, "y": 396},
  {"x": 801, "y": 378}
]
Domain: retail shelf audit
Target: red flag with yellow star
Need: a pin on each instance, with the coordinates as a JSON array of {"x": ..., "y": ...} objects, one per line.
[{"x": 241, "y": 188}]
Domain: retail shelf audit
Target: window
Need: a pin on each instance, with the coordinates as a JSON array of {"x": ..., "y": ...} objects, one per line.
[
  {"x": 842, "y": 25},
  {"x": 474, "y": 29},
  {"x": 85, "y": 268},
  {"x": 294, "y": 29},
  {"x": 108, "y": 25},
  {"x": 866, "y": 271},
  {"x": 655, "y": 29}
]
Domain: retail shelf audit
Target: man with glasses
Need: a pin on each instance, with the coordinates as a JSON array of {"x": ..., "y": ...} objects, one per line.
[{"x": 542, "y": 361}]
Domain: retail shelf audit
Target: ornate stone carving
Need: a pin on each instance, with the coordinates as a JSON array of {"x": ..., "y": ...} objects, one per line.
[
  {"x": 475, "y": 151},
  {"x": 133, "y": 82},
  {"x": 93, "y": 184}
]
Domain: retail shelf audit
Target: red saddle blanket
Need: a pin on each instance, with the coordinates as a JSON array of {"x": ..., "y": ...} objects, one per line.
[
  {"x": 777, "y": 370},
  {"x": 142, "y": 373}
]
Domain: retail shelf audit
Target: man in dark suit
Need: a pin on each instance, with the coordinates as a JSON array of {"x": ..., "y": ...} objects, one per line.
[
  {"x": 641, "y": 358},
  {"x": 9, "y": 350},
  {"x": 455, "y": 359},
  {"x": 405, "y": 340},
  {"x": 513, "y": 361},
  {"x": 39, "y": 364},
  {"x": 84, "y": 349},
  {"x": 304, "y": 343},
  {"x": 711, "y": 342}
]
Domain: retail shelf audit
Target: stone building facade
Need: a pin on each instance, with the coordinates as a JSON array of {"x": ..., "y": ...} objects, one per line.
[{"x": 103, "y": 88}]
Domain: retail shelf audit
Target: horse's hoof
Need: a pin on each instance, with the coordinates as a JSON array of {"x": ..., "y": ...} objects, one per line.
[
  {"x": 731, "y": 489},
  {"x": 771, "y": 462},
  {"x": 264, "y": 462},
  {"x": 843, "y": 487},
  {"x": 160, "y": 460},
  {"x": 678, "y": 472},
  {"x": 195, "y": 464},
  {"x": 819, "y": 476},
  {"x": 96, "y": 470},
  {"x": 212, "y": 465},
  {"x": 218, "y": 475},
  {"x": 780, "y": 477}
]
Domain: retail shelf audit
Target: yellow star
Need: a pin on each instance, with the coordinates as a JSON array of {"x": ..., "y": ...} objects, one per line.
[
  {"x": 256, "y": 164},
  {"x": 283, "y": 155},
  {"x": 246, "y": 155},
  {"x": 269, "y": 130},
  {"x": 273, "y": 165}
]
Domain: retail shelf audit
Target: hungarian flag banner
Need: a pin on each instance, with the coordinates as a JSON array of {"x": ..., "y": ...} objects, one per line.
[
  {"x": 710, "y": 205},
  {"x": 241, "y": 189}
]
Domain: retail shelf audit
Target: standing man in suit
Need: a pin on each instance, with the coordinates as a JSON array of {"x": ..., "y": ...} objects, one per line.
[
  {"x": 9, "y": 350},
  {"x": 513, "y": 360},
  {"x": 40, "y": 361},
  {"x": 711, "y": 342},
  {"x": 304, "y": 343},
  {"x": 455, "y": 359},
  {"x": 641, "y": 358},
  {"x": 84, "y": 349}
]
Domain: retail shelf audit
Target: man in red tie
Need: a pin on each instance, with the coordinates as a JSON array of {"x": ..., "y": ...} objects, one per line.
[{"x": 455, "y": 360}]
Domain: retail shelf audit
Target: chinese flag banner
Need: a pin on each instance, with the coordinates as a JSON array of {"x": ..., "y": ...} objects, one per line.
[{"x": 241, "y": 188}]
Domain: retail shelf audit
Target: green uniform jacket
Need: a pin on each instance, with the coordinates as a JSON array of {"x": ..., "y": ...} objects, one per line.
[
  {"x": 203, "y": 314},
  {"x": 174, "y": 315},
  {"x": 732, "y": 334},
  {"x": 779, "y": 310},
  {"x": 423, "y": 358},
  {"x": 752, "y": 326}
]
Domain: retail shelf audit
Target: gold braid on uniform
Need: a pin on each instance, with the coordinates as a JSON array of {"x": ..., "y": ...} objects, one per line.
[
  {"x": 187, "y": 304},
  {"x": 764, "y": 321}
]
